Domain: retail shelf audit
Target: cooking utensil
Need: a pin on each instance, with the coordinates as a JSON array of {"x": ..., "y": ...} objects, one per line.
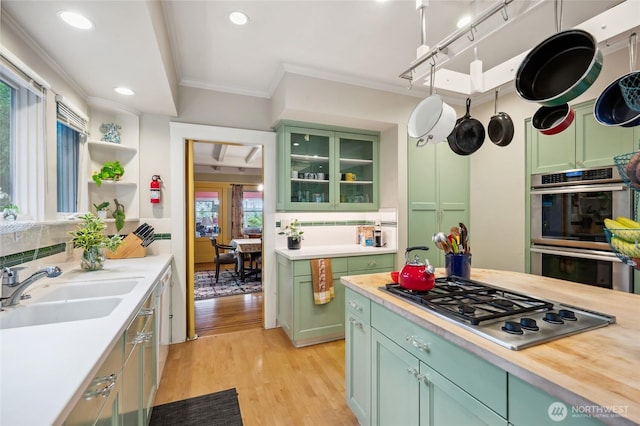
[
  {"x": 464, "y": 237},
  {"x": 559, "y": 69},
  {"x": 610, "y": 108},
  {"x": 500, "y": 126},
  {"x": 416, "y": 275},
  {"x": 553, "y": 120},
  {"x": 467, "y": 135},
  {"x": 432, "y": 120}
]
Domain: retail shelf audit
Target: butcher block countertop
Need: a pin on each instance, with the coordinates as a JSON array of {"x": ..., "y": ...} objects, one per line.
[{"x": 599, "y": 367}]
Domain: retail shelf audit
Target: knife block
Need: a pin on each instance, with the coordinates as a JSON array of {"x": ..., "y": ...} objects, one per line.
[{"x": 130, "y": 248}]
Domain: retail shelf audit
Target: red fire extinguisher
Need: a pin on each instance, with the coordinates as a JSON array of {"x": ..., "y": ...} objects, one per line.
[{"x": 155, "y": 189}]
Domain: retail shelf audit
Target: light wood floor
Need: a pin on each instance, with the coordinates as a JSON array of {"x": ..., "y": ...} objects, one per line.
[
  {"x": 227, "y": 314},
  {"x": 277, "y": 384}
]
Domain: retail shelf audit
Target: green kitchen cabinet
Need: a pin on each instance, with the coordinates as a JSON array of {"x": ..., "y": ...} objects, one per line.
[
  {"x": 585, "y": 143},
  {"x": 438, "y": 194},
  {"x": 358, "y": 356},
  {"x": 407, "y": 391},
  {"x": 302, "y": 320},
  {"x": 530, "y": 406},
  {"x": 327, "y": 169}
]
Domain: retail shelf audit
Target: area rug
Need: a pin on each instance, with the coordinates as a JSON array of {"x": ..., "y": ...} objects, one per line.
[
  {"x": 229, "y": 284},
  {"x": 215, "y": 409}
]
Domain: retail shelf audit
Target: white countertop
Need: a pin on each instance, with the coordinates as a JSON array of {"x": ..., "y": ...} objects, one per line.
[
  {"x": 343, "y": 250},
  {"x": 46, "y": 368}
]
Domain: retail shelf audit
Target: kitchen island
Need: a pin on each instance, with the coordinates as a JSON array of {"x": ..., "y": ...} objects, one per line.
[
  {"x": 47, "y": 368},
  {"x": 597, "y": 371}
]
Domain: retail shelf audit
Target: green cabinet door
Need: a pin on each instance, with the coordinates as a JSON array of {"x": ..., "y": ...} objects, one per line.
[
  {"x": 323, "y": 168},
  {"x": 586, "y": 143},
  {"x": 444, "y": 403},
  {"x": 438, "y": 194},
  {"x": 551, "y": 153},
  {"x": 315, "y": 322},
  {"x": 357, "y": 361},
  {"x": 394, "y": 385},
  {"x": 596, "y": 145}
]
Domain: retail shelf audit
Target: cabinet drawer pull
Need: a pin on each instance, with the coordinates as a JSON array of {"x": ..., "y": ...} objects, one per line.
[
  {"x": 421, "y": 346},
  {"x": 372, "y": 263},
  {"x": 355, "y": 322},
  {"x": 145, "y": 312},
  {"x": 111, "y": 378},
  {"x": 413, "y": 371},
  {"x": 142, "y": 337},
  {"x": 355, "y": 305},
  {"x": 103, "y": 392},
  {"x": 424, "y": 379}
]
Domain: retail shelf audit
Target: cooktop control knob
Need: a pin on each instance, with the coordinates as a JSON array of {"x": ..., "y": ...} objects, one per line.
[
  {"x": 568, "y": 315},
  {"x": 553, "y": 318},
  {"x": 512, "y": 327},
  {"x": 529, "y": 324}
]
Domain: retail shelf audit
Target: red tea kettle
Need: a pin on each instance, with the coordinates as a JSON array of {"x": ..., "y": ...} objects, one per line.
[{"x": 417, "y": 275}]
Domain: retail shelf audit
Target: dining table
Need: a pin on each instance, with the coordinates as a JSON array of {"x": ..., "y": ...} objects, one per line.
[{"x": 250, "y": 247}]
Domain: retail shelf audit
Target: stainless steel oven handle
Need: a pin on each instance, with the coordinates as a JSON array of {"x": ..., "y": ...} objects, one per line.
[
  {"x": 578, "y": 188},
  {"x": 590, "y": 254}
]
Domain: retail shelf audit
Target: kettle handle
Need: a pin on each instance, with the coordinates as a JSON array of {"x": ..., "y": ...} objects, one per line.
[
  {"x": 416, "y": 248},
  {"x": 406, "y": 252}
]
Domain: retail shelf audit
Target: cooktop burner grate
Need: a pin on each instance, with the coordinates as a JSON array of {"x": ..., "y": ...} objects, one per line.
[{"x": 471, "y": 301}]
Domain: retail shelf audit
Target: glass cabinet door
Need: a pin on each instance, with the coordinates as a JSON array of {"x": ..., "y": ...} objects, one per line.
[
  {"x": 357, "y": 164},
  {"x": 310, "y": 152}
]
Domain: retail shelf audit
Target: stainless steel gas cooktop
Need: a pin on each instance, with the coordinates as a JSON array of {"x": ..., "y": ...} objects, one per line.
[{"x": 513, "y": 320}]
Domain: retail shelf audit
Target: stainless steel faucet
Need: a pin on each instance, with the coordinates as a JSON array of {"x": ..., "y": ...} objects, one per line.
[{"x": 12, "y": 288}]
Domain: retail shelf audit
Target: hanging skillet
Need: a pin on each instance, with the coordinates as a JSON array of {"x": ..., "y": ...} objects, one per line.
[
  {"x": 553, "y": 120},
  {"x": 468, "y": 134},
  {"x": 610, "y": 108},
  {"x": 561, "y": 68},
  {"x": 500, "y": 126}
]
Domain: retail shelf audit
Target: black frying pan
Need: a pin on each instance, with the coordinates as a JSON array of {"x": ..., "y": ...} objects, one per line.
[
  {"x": 468, "y": 134},
  {"x": 500, "y": 126}
]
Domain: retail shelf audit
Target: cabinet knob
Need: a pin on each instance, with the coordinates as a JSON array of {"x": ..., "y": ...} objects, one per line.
[
  {"x": 355, "y": 305},
  {"x": 103, "y": 391},
  {"x": 424, "y": 378},
  {"x": 414, "y": 372},
  {"x": 355, "y": 322},
  {"x": 142, "y": 337},
  {"x": 145, "y": 312},
  {"x": 418, "y": 344}
]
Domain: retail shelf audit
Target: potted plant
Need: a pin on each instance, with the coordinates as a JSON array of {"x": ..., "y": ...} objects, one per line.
[
  {"x": 111, "y": 170},
  {"x": 294, "y": 234},
  {"x": 90, "y": 238},
  {"x": 10, "y": 212},
  {"x": 101, "y": 209}
]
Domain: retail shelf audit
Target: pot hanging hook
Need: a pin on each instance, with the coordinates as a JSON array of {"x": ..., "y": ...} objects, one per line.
[
  {"x": 505, "y": 16},
  {"x": 558, "y": 14}
]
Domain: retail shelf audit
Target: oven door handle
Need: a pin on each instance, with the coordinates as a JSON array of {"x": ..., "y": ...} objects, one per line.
[
  {"x": 583, "y": 254},
  {"x": 579, "y": 188}
]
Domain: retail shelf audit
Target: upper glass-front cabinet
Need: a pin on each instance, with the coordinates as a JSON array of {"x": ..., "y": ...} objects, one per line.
[{"x": 327, "y": 170}]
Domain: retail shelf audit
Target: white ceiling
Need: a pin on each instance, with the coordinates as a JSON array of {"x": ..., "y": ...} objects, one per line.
[{"x": 154, "y": 47}]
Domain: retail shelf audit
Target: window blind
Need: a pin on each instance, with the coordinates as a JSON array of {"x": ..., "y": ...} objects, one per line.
[{"x": 71, "y": 119}]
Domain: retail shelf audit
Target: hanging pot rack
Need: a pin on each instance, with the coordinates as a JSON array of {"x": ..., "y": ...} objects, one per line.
[{"x": 467, "y": 30}]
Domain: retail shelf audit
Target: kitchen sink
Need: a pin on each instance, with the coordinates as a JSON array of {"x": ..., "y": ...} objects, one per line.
[
  {"x": 85, "y": 290},
  {"x": 50, "y": 313}
]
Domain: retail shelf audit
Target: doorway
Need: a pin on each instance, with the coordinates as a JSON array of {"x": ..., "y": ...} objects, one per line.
[
  {"x": 218, "y": 214},
  {"x": 213, "y": 213}
]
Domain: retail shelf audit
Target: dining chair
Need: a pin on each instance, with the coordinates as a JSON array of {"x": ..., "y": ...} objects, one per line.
[{"x": 221, "y": 258}]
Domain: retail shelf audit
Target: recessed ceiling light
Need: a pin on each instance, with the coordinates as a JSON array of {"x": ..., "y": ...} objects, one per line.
[
  {"x": 76, "y": 20},
  {"x": 238, "y": 18},
  {"x": 124, "y": 91},
  {"x": 464, "y": 21}
]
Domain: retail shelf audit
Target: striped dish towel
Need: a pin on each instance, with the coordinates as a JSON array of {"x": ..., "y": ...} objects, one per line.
[{"x": 322, "y": 281}]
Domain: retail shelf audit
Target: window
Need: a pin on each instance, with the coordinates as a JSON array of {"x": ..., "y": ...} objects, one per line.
[
  {"x": 23, "y": 169},
  {"x": 207, "y": 214},
  {"x": 7, "y": 117},
  {"x": 68, "y": 148},
  {"x": 252, "y": 210}
]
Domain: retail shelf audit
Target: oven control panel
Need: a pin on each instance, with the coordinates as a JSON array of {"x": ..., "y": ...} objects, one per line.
[{"x": 606, "y": 174}]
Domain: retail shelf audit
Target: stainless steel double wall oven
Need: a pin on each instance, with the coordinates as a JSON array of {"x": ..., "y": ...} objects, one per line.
[{"x": 567, "y": 226}]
